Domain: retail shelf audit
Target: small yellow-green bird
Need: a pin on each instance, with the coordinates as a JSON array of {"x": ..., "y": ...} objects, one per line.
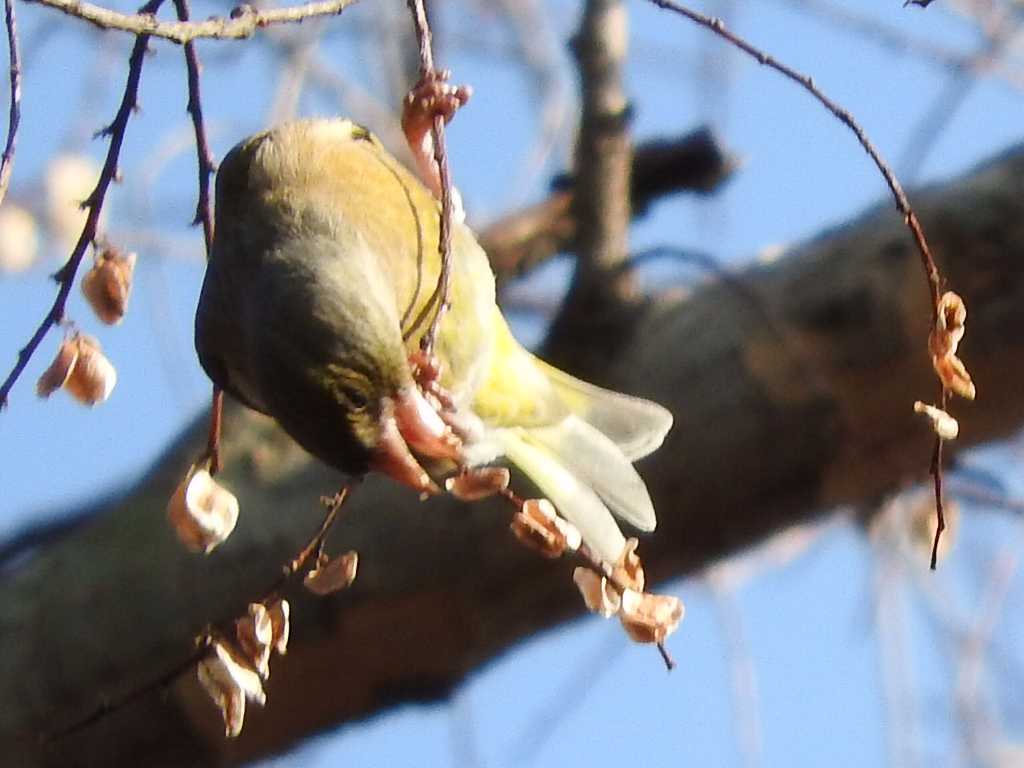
[{"x": 320, "y": 285}]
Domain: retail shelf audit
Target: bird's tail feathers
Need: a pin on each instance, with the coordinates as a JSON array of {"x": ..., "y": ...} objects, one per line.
[
  {"x": 635, "y": 425},
  {"x": 575, "y": 500},
  {"x": 597, "y": 462}
]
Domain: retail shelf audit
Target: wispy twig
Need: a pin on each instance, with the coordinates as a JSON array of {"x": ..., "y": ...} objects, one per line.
[
  {"x": 440, "y": 297},
  {"x": 243, "y": 23},
  {"x": 65, "y": 277},
  {"x": 7, "y": 161},
  {"x": 931, "y": 271},
  {"x": 204, "y": 214}
]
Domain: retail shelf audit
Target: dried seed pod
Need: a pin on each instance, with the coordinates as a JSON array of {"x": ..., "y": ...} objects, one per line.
[
  {"x": 538, "y": 526},
  {"x": 202, "y": 511},
  {"x": 945, "y": 426},
  {"x": 332, "y": 574},
  {"x": 108, "y": 284},
  {"x": 60, "y": 369},
  {"x": 628, "y": 570},
  {"x": 954, "y": 376},
  {"x": 230, "y": 681},
  {"x": 649, "y": 618},
  {"x": 478, "y": 483},
  {"x": 943, "y": 342},
  {"x": 279, "y": 612},
  {"x": 92, "y": 377},
  {"x": 598, "y": 593},
  {"x": 255, "y": 634}
]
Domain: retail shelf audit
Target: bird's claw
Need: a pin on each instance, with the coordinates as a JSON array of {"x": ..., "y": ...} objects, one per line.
[{"x": 432, "y": 96}]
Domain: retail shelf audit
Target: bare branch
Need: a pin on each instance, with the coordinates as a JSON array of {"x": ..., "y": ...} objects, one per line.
[
  {"x": 7, "y": 161},
  {"x": 931, "y": 271},
  {"x": 203, "y": 154},
  {"x": 244, "y": 20},
  {"x": 440, "y": 297},
  {"x": 66, "y": 275}
]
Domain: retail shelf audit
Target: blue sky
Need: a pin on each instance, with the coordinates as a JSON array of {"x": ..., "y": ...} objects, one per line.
[{"x": 808, "y": 641}]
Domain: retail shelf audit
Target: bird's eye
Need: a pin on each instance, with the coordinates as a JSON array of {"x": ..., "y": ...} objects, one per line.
[{"x": 357, "y": 399}]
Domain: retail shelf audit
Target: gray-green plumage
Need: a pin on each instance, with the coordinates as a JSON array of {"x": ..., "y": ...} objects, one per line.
[{"x": 318, "y": 289}]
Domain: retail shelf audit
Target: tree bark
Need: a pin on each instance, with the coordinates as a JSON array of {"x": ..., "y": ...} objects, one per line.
[{"x": 792, "y": 385}]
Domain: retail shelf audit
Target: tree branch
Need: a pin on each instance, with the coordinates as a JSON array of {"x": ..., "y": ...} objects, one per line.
[
  {"x": 14, "y": 113},
  {"x": 521, "y": 241},
  {"x": 244, "y": 21},
  {"x": 600, "y": 291},
  {"x": 65, "y": 277}
]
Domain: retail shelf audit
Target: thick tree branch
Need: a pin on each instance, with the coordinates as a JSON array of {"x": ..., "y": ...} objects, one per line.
[
  {"x": 693, "y": 162},
  {"x": 777, "y": 422},
  {"x": 600, "y": 289}
]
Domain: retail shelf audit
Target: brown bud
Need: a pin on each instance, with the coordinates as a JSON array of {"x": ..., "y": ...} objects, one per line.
[
  {"x": 230, "y": 681},
  {"x": 80, "y": 368},
  {"x": 202, "y": 511},
  {"x": 60, "y": 369},
  {"x": 649, "y": 618},
  {"x": 254, "y": 634},
  {"x": 478, "y": 483},
  {"x": 598, "y": 593},
  {"x": 628, "y": 570},
  {"x": 538, "y": 526},
  {"x": 332, "y": 575},
  {"x": 109, "y": 283},
  {"x": 954, "y": 376},
  {"x": 279, "y": 612},
  {"x": 92, "y": 378}
]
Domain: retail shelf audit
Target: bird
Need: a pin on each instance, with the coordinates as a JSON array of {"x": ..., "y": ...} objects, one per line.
[{"x": 321, "y": 283}]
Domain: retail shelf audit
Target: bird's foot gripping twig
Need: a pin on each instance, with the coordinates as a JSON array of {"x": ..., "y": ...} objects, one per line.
[{"x": 432, "y": 96}]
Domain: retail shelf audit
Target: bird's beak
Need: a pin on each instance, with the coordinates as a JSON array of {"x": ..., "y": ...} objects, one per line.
[{"x": 409, "y": 422}]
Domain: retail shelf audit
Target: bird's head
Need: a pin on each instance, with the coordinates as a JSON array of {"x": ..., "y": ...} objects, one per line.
[{"x": 298, "y": 264}]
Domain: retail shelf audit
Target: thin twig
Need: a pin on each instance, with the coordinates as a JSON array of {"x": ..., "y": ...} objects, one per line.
[
  {"x": 65, "y": 277},
  {"x": 315, "y": 544},
  {"x": 203, "y": 154},
  {"x": 936, "y": 472},
  {"x": 289, "y": 570},
  {"x": 902, "y": 203},
  {"x": 204, "y": 215},
  {"x": 109, "y": 706},
  {"x": 244, "y": 21},
  {"x": 14, "y": 116},
  {"x": 215, "y": 430},
  {"x": 931, "y": 271},
  {"x": 894, "y": 39},
  {"x": 959, "y": 86},
  {"x": 440, "y": 296},
  {"x": 590, "y": 560}
]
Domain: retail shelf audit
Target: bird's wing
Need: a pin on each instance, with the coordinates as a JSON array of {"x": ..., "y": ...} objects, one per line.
[
  {"x": 215, "y": 321},
  {"x": 599, "y": 463}
]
